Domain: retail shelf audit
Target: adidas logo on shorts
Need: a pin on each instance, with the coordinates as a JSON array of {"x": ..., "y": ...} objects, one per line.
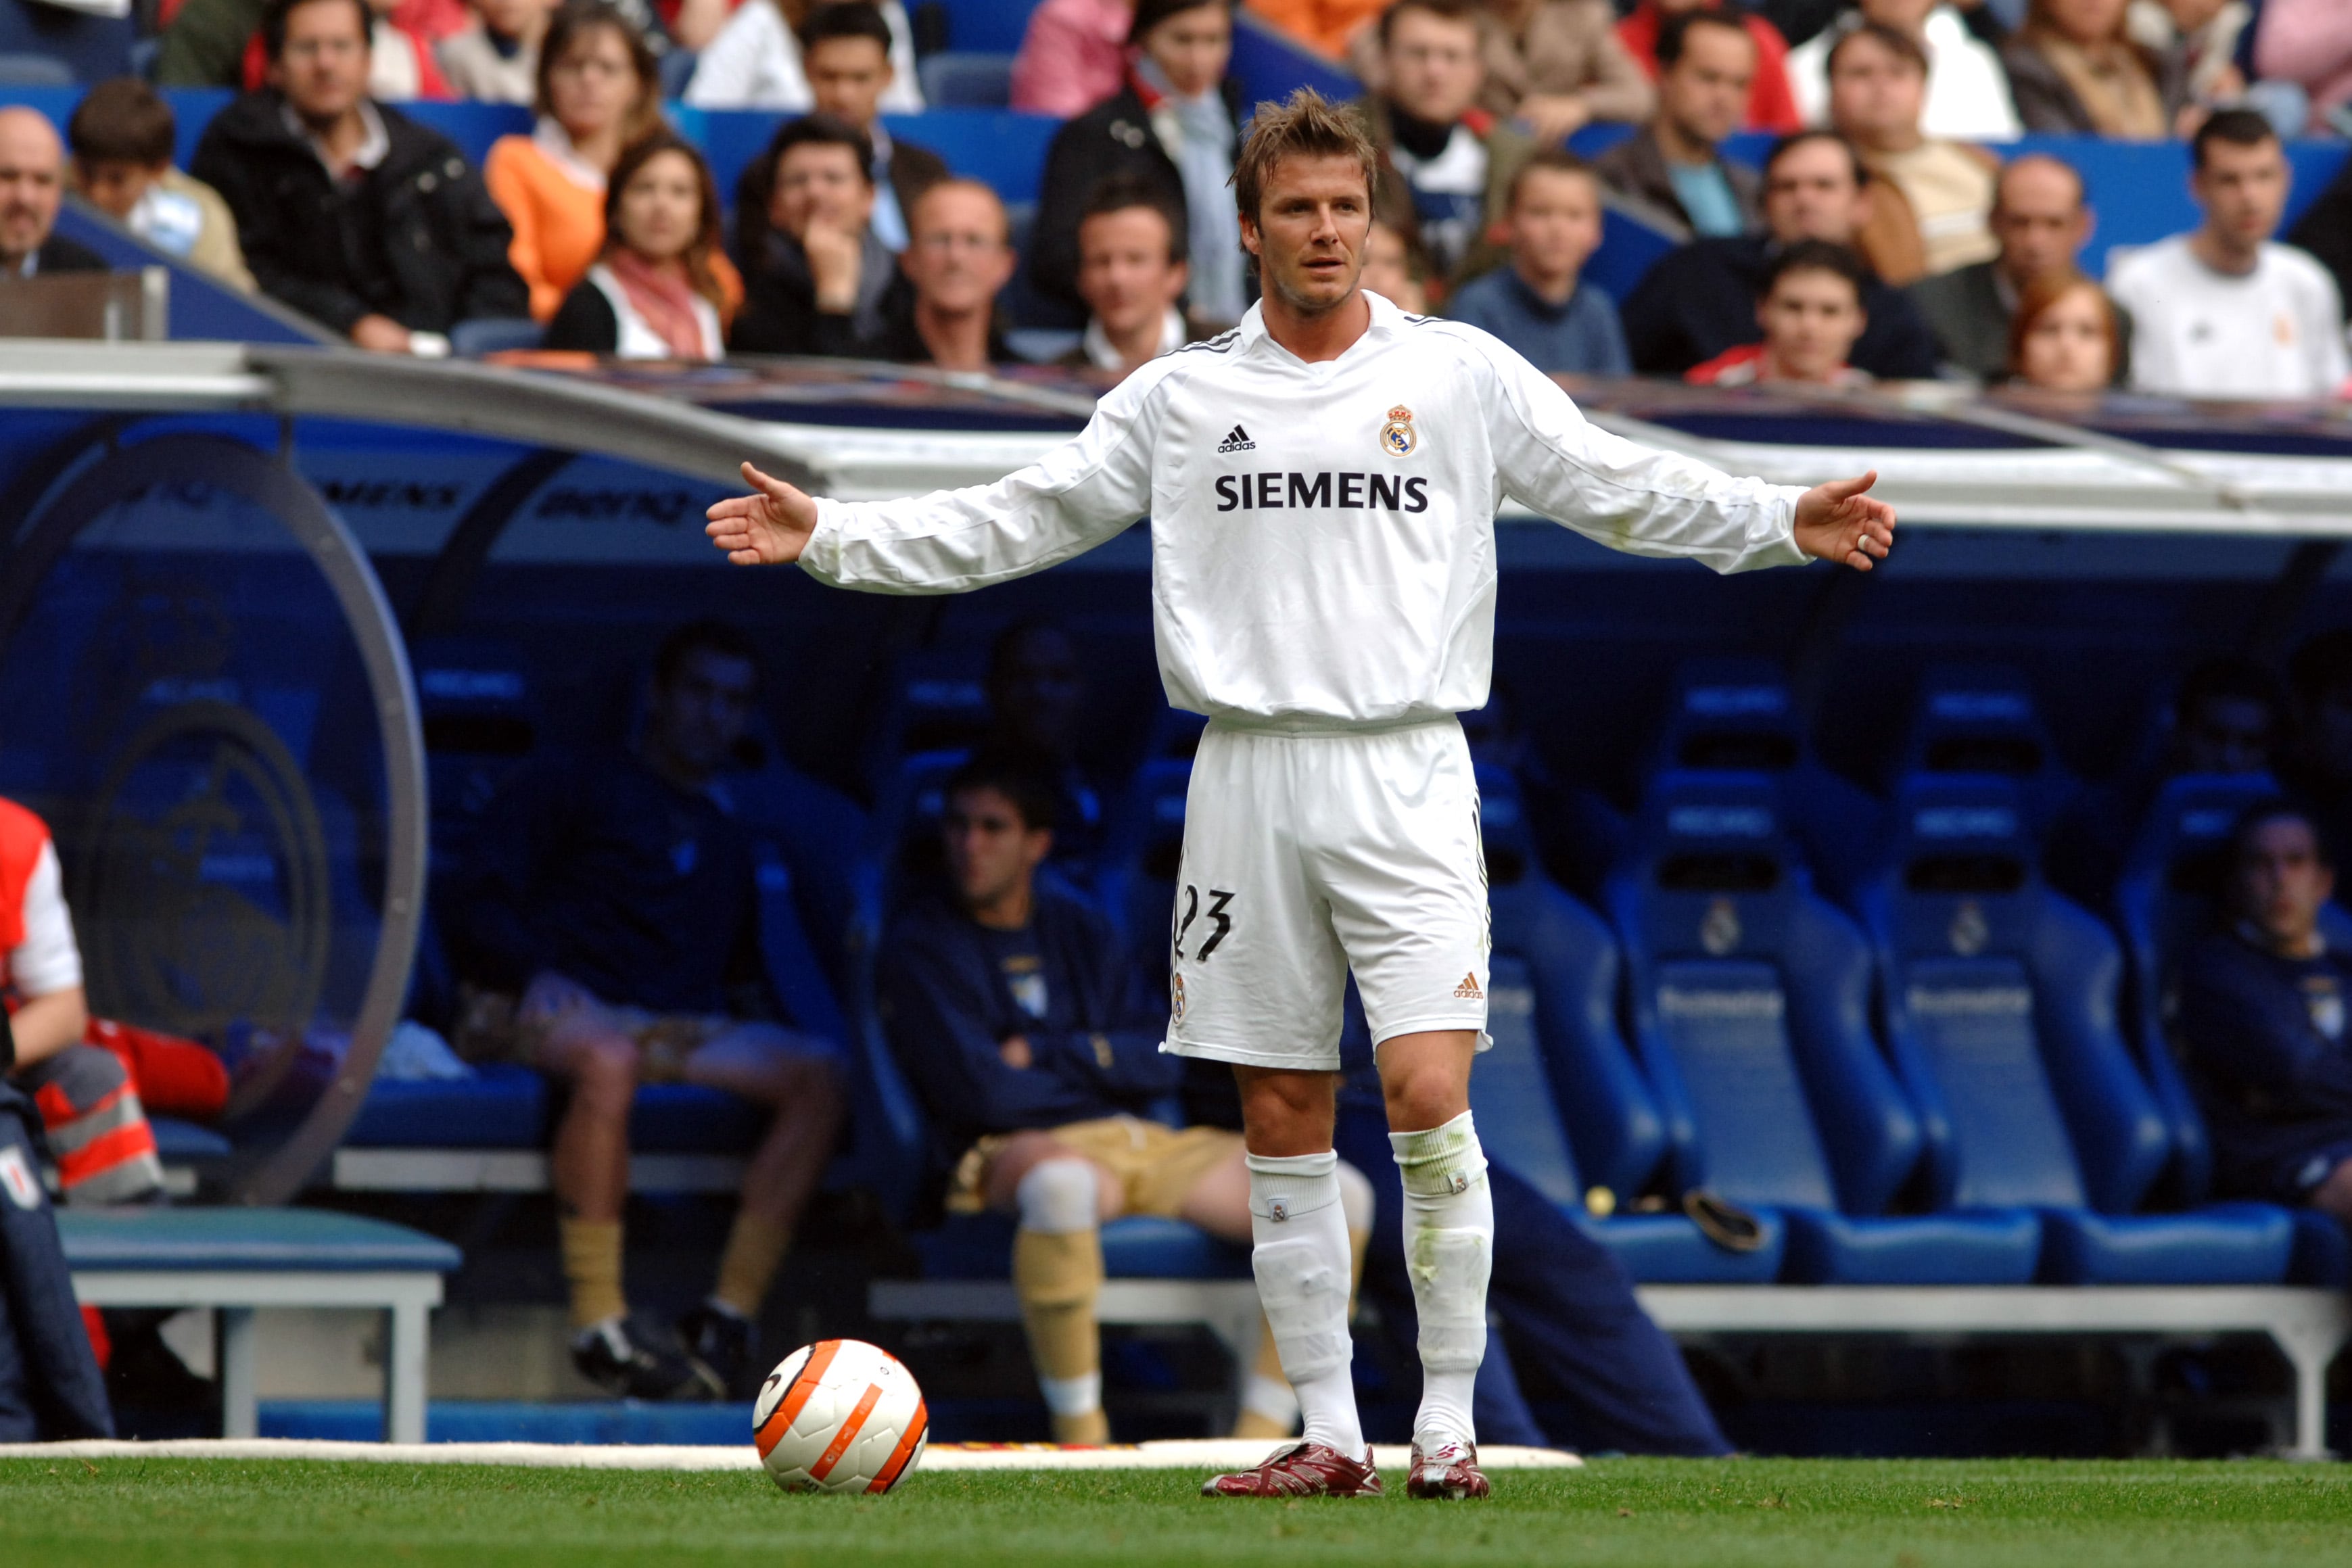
[
  {"x": 1468, "y": 989},
  {"x": 1237, "y": 440}
]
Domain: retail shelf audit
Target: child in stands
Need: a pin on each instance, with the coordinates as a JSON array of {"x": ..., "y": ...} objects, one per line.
[{"x": 1810, "y": 312}]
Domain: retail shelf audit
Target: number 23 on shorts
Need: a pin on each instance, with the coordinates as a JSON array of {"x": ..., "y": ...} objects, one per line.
[{"x": 1189, "y": 910}]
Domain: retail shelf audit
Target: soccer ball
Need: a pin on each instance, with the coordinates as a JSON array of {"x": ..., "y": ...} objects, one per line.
[{"x": 840, "y": 1416}]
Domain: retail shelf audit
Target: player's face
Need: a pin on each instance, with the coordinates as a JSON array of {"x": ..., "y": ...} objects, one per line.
[
  {"x": 1125, "y": 274},
  {"x": 1313, "y": 220},
  {"x": 696, "y": 718},
  {"x": 2282, "y": 881},
  {"x": 1810, "y": 320},
  {"x": 2243, "y": 189},
  {"x": 846, "y": 77},
  {"x": 990, "y": 852},
  {"x": 819, "y": 183},
  {"x": 2067, "y": 348}
]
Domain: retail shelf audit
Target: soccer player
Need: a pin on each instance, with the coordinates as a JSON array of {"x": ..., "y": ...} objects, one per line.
[{"x": 1323, "y": 482}]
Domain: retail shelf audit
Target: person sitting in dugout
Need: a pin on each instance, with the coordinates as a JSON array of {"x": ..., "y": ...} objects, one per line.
[{"x": 1012, "y": 1010}]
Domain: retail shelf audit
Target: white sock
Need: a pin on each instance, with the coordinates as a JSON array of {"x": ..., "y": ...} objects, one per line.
[
  {"x": 1301, "y": 1263},
  {"x": 1072, "y": 1396},
  {"x": 1449, "y": 1246}
]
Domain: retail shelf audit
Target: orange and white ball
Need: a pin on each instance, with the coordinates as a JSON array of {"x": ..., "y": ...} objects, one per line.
[{"x": 840, "y": 1416}]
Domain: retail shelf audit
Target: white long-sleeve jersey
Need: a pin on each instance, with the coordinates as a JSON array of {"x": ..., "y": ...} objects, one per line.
[{"x": 1322, "y": 535}]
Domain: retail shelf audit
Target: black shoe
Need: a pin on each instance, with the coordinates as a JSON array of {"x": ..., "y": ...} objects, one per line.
[
  {"x": 720, "y": 1338},
  {"x": 147, "y": 1384},
  {"x": 636, "y": 1358}
]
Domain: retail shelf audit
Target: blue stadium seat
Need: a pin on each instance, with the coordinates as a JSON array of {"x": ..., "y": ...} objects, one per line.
[
  {"x": 92, "y": 48},
  {"x": 985, "y": 24},
  {"x": 20, "y": 67},
  {"x": 1982, "y": 718},
  {"x": 980, "y": 1247},
  {"x": 491, "y": 335},
  {"x": 961, "y": 80},
  {"x": 2002, "y": 1001},
  {"x": 1551, "y": 991},
  {"x": 1735, "y": 714},
  {"x": 938, "y": 701},
  {"x": 502, "y": 1107},
  {"x": 1750, "y": 1002}
]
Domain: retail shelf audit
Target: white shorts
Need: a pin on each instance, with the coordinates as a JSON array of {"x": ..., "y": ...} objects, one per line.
[{"x": 1310, "y": 854}]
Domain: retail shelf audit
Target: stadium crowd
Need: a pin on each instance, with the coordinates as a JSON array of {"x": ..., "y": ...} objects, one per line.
[{"x": 1882, "y": 236}]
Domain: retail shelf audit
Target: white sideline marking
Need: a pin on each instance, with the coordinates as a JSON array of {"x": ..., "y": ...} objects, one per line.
[{"x": 1191, "y": 1454}]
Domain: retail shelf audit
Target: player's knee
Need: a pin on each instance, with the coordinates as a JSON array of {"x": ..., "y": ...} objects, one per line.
[
  {"x": 1059, "y": 1195},
  {"x": 1423, "y": 1094}
]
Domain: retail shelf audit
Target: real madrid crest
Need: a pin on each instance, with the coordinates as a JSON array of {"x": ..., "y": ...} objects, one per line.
[
  {"x": 1968, "y": 931},
  {"x": 1719, "y": 930},
  {"x": 1176, "y": 998},
  {"x": 1397, "y": 437}
]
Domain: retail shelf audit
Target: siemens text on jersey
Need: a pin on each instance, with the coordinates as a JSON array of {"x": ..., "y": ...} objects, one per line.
[{"x": 1268, "y": 492}]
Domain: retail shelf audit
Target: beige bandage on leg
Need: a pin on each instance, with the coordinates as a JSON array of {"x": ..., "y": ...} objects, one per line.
[
  {"x": 755, "y": 1249},
  {"x": 591, "y": 1267},
  {"x": 1058, "y": 1272}
]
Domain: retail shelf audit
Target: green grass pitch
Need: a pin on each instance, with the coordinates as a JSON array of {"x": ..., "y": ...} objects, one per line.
[{"x": 1811, "y": 1513}]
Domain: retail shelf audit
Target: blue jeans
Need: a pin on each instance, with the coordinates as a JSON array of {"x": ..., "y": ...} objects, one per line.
[{"x": 1565, "y": 1301}]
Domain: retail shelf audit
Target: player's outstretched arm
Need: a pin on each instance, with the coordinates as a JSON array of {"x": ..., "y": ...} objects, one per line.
[
  {"x": 770, "y": 527},
  {"x": 1839, "y": 522}
]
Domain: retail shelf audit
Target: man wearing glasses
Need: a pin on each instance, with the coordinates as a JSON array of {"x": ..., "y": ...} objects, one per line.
[{"x": 941, "y": 307}]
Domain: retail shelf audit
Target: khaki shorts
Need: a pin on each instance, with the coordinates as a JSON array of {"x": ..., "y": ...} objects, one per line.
[
  {"x": 1156, "y": 1167},
  {"x": 496, "y": 1028}
]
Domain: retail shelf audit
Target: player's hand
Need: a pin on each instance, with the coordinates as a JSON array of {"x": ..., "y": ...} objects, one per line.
[
  {"x": 1839, "y": 522},
  {"x": 770, "y": 527},
  {"x": 1014, "y": 1050}
]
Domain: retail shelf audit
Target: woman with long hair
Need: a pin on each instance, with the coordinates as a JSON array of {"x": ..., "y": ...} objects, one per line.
[
  {"x": 2064, "y": 336},
  {"x": 2073, "y": 68},
  {"x": 599, "y": 91},
  {"x": 653, "y": 292}
]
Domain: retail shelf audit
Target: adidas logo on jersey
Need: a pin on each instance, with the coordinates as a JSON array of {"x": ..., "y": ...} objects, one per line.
[
  {"x": 1237, "y": 440},
  {"x": 1468, "y": 989}
]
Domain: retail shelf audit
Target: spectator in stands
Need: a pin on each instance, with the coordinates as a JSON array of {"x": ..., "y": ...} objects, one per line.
[
  {"x": 846, "y": 48},
  {"x": 2207, "y": 35},
  {"x": 1540, "y": 304},
  {"x": 1770, "y": 105},
  {"x": 1673, "y": 167},
  {"x": 818, "y": 274},
  {"x": 1073, "y": 56},
  {"x": 598, "y": 89},
  {"x": 1700, "y": 301},
  {"x": 348, "y": 210},
  {"x": 2073, "y": 69},
  {"x": 2262, "y": 1020},
  {"x": 1132, "y": 275},
  {"x": 2225, "y": 718},
  {"x": 122, "y": 133},
  {"x": 32, "y": 184},
  {"x": 1394, "y": 271},
  {"x": 1552, "y": 66},
  {"x": 1445, "y": 165},
  {"x": 2223, "y": 311},
  {"x": 1013, "y": 1012},
  {"x": 654, "y": 294},
  {"x": 611, "y": 908},
  {"x": 1968, "y": 92},
  {"x": 941, "y": 309},
  {"x": 2040, "y": 223},
  {"x": 1174, "y": 122},
  {"x": 494, "y": 59},
  {"x": 2317, "y": 762},
  {"x": 2064, "y": 337},
  {"x": 755, "y": 62},
  {"x": 1811, "y": 314},
  {"x": 2308, "y": 43},
  {"x": 402, "y": 66},
  {"x": 1929, "y": 199}
]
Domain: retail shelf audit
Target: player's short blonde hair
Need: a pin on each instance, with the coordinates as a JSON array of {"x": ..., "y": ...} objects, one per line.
[{"x": 1308, "y": 126}]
